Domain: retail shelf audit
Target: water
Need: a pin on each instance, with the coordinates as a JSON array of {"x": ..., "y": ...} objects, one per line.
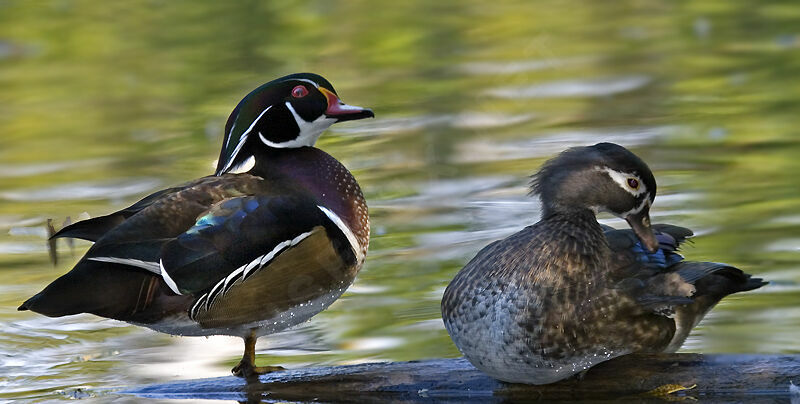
[{"x": 104, "y": 103}]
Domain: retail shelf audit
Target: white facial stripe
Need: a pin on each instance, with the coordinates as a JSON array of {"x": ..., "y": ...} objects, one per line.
[
  {"x": 242, "y": 139},
  {"x": 622, "y": 180},
  {"x": 305, "y": 80},
  {"x": 197, "y": 304},
  {"x": 150, "y": 266},
  {"x": 351, "y": 238},
  {"x": 171, "y": 283},
  {"x": 309, "y": 131},
  {"x": 228, "y": 141}
]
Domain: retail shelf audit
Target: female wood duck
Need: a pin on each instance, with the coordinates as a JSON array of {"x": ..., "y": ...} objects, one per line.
[
  {"x": 242, "y": 254},
  {"x": 567, "y": 293}
]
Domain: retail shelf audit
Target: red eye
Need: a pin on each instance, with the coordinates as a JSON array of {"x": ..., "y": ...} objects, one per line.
[
  {"x": 299, "y": 92},
  {"x": 633, "y": 183}
]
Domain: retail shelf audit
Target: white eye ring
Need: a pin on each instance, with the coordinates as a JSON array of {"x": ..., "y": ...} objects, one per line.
[{"x": 629, "y": 182}]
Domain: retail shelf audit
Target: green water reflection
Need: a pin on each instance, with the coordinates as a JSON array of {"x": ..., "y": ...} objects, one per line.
[{"x": 103, "y": 102}]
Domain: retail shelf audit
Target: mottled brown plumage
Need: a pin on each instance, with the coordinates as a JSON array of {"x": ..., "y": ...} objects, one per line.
[{"x": 566, "y": 293}]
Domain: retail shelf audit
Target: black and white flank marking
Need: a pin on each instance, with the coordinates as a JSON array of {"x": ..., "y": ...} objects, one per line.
[{"x": 242, "y": 273}]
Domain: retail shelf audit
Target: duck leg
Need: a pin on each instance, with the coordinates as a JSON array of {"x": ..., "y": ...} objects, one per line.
[{"x": 246, "y": 367}]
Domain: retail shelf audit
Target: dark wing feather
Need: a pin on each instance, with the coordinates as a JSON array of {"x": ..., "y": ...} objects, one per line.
[
  {"x": 649, "y": 277},
  {"x": 131, "y": 249},
  {"x": 716, "y": 279},
  {"x": 662, "y": 280},
  {"x": 631, "y": 259},
  {"x": 94, "y": 228}
]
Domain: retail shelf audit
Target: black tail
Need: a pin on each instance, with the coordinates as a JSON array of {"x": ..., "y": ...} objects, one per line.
[
  {"x": 717, "y": 280},
  {"x": 108, "y": 290}
]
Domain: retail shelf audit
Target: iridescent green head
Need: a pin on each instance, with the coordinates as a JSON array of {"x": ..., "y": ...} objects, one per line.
[{"x": 288, "y": 112}]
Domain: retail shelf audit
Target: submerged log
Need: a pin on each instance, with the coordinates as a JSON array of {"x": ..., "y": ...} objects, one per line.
[{"x": 721, "y": 378}]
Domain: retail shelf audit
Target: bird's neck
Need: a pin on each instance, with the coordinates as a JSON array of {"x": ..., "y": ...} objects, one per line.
[
  {"x": 578, "y": 238},
  {"x": 572, "y": 215},
  {"x": 322, "y": 176}
]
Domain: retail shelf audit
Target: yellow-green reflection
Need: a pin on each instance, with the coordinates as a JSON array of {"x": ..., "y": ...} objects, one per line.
[{"x": 103, "y": 102}]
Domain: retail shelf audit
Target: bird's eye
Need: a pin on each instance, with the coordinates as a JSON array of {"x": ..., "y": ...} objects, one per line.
[
  {"x": 633, "y": 183},
  {"x": 299, "y": 92}
]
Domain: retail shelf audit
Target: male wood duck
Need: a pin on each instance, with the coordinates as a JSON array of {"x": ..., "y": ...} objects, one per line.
[
  {"x": 242, "y": 254},
  {"x": 567, "y": 292}
]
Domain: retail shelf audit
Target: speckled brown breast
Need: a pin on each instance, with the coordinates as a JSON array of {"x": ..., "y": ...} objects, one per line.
[
  {"x": 538, "y": 306},
  {"x": 332, "y": 184}
]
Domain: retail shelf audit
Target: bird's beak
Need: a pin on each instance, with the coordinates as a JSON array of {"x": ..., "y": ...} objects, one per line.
[
  {"x": 640, "y": 223},
  {"x": 341, "y": 111}
]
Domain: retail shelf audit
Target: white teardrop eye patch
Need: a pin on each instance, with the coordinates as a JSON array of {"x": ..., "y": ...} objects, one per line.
[{"x": 630, "y": 182}]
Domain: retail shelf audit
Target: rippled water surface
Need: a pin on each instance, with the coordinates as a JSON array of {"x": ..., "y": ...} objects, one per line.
[{"x": 104, "y": 102}]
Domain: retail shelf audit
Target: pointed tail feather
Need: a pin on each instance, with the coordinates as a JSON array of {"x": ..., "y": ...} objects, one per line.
[
  {"x": 716, "y": 279},
  {"x": 90, "y": 229},
  {"x": 110, "y": 290},
  {"x": 753, "y": 283}
]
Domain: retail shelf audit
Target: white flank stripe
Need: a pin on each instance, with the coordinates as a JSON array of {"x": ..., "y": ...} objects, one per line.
[
  {"x": 238, "y": 271},
  {"x": 255, "y": 264},
  {"x": 213, "y": 291},
  {"x": 346, "y": 230},
  {"x": 150, "y": 266},
  {"x": 196, "y": 306},
  {"x": 243, "y": 139},
  {"x": 281, "y": 246},
  {"x": 172, "y": 285},
  {"x": 231, "y": 276},
  {"x": 264, "y": 259},
  {"x": 301, "y": 237}
]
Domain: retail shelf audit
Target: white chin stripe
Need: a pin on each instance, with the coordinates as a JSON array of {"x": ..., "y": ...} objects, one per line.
[
  {"x": 622, "y": 180},
  {"x": 242, "y": 139},
  {"x": 309, "y": 131},
  {"x": 351, "y": 238}
]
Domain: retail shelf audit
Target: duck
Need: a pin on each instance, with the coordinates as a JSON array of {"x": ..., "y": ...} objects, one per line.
[
  {"x": 567, "y": 292},
  {"x": 273, "y": 237}
]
